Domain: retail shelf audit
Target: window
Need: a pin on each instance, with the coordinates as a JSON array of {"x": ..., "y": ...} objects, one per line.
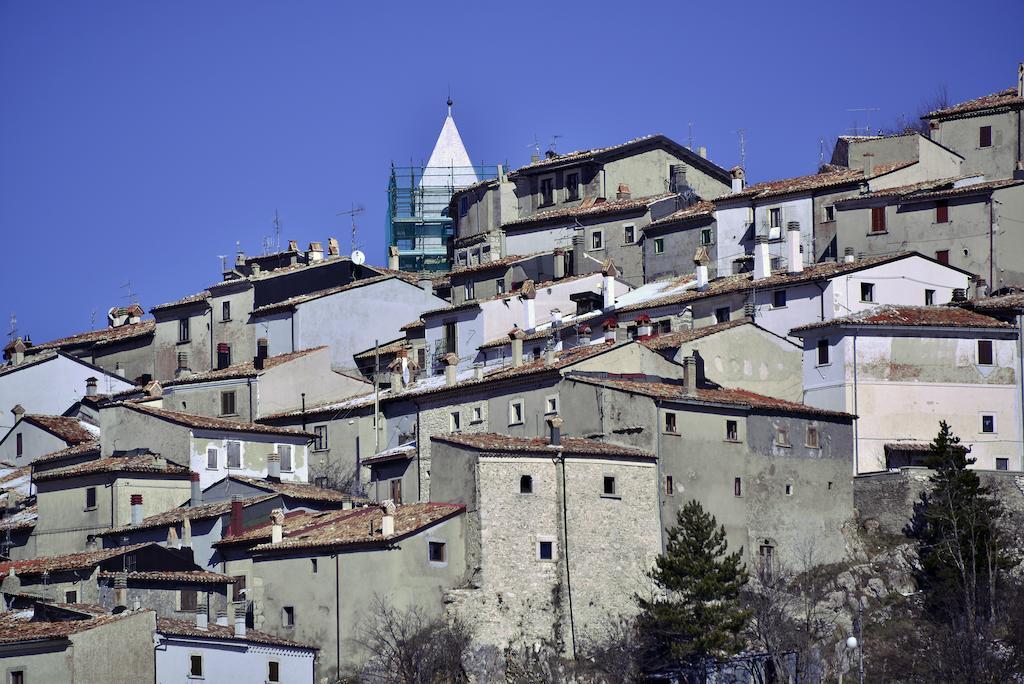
[
  {"x": 670, "y": 488},
  {"x": 628, "y": 234},
  {"x": 395, "y": 490},
  {"x": 499, "y": 286},
  {"x": 313, "y": 565},
  {"x": 547, "y": 191},
  {"x": 782, "y": 436},
  {"x": 1002, "y": 464},
  {"x": 454, "y": 421},
  {"x": 942, "y": 211},
  {"x": 867, "y": 292},
  {"x": 823, "y": 353},
  {"x": 225, "y": 311},
  {"x": 706, "y": 236},
  {"x": 288, "y": 616},
  {"x": 545, "y": 549},
  {"x": 572, "y": 187},
  {"x": 985, "y": 352},
  {"x": 320, "y": 441},
  {"x": 812, "y": 437},
  {"x": 732, "y": 431},
  {"x": 929, "y": 297},
  {"x": 285, "y": 452},
  {"x": 609, "y": 486},
  {"x": 463, "y": 205},
  {"x": 778, "y": 299},
  {"x": 659, "y": 245},
  {"x": 470, "y": 290},
  {"x": 71, "y": 596},
  {"x": 985, "y": 136},
  {"x": 273, "y": 671},
  {"x": 722, "y": 314},
  {"x": 227, "y": 403},
  {"x": 183, "y": 329},
  {"x": 19, "y": 444},
  {"x": 188, "y": 600},
  {"x": 830, "y": 213},
  {"x": 551, "y": 404},
  {"x": 17, "y": 677},
  {"x": 526, "y": 484},
  {"x": 766, "y": 559},
  {"x": 234, "y": 454},
  {"x": 789, "y": 489},
  {"x": 775, "y": 220},
  {"x": 195, "y": 665},
  {"x": 211, "y": 458},
  {"x": 477, "y": 414},
  {"x": 942, "y": 256},
  {"x": 450, "y": 344},
  {"x": 670, "y": 422},
  {"x": 737, "y": 486},
  {"x": 597, "y": 239},
  {"x": 877, "y": 219},
  {"x": 515, "y": 412},
  {"x": 436, "y": 552},
  {"x": 988, "y": 423},
  {"x": 238, "y": 588},
  {"x": 90, "y": 498}
]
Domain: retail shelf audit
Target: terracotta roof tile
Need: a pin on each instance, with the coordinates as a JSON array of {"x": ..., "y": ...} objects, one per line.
[
  {"x": 24, "y": 519},
  {"x": 497, "y": 263},
  {"x": 177, "y": 515},
  {"x": 703, "y": 208},
  {"x": 1011, "y": 301},
  {"x": 14, "y": 629},
  {"x": 242, "y": 370},
  {"x": 146, "y": 463},
  {"x": 179, "y": 576},
  {"x": 935, "y": 189},
  {"x": 470, "y": 303},
  {"x": 912, "y": 316},
  {"x": 99, "y": 337},
  {"x": 300, "y": 299},
  {"x": 82, "y": 449},
  {"x": 675, "y": 339},
  {"x": 298, "y": 490},
  {"x": 190, "y": 299},
  {"x": 72, "y": 430},
  {"x": 583, "y": 210},
  {"x": 181, "y": 628},
  {"x": 208, "y": 423},
  {"x": 571, "y": 446},
  {"x": 71, "y": 561},
  {"x": 1004, "y": 98},
  {"x": 785, "y": 186},
  {"x": 392, "y": 347}
]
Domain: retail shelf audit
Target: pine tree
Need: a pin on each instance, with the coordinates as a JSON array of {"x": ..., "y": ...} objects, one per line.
[{"x": 697, "y": 617}]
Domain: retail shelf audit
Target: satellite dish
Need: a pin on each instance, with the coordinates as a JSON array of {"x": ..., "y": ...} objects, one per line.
[{"x": 358, "y": 258}]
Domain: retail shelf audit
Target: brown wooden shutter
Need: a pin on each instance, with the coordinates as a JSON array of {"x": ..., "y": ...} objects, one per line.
[{"x": 942, "y": 212}]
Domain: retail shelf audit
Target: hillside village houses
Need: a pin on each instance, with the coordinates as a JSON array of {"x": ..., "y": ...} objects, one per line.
[{"x": 248, "y": 475}]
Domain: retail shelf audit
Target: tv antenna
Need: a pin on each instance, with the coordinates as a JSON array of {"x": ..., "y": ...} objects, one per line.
[
  {"x": 554, "y": 142},
  {"x": 356, "y": 210},
  {"x": 743, "y": 147},
  {"x": 535, "y": 145},
  {"x": 223, "y": 262},
  {"x": 129, "y": 292},
  {"x": 12, "y": 330},
  {"x": 821, "y": 151},
  {"x": 689, "y": 140},
  {"x": 867, "y": 118}
]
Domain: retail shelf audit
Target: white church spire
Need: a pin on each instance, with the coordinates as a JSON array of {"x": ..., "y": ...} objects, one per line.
[{"x": 449, "y": 165}]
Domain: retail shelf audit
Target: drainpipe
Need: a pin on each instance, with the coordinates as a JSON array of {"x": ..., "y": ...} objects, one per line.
[
  {"x": 821, "y": 299},
  {"x": 292, "y": 319},
  {"x": 249, "y": 383},
  {"x": 419, "y": 446},
  {"x": 303, "y": 411},
  {"x": 991, "y": 241},
  {"x": 660, "y": 473},
  {"x": 337, "y": 610},
  {"x": 212, "y": 363},
  {"x": 560, "y": 461},
  {"x": 856, "y": 420},
  {"x": 1020, "y": 365}
]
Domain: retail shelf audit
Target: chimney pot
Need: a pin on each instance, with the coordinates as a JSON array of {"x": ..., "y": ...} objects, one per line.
[
  {"x": 848, "y": 256},
  {"x": 274, "y": 467},
  {"x": 235, "y": 527},
  {"x": 276, "y": 525},
  {"x": 623, "y": 192},
  {"x": 393, "y": 258},
  {"x": 517, "y": 336},
  {"x": 18, "y": 412},
  {"x": 197, "y": 490},
  {"x": 137, "y": 516},
  {"x": 222, "y": 618},
  {"x": 451, "y": 367},
  {"x": 90, "y": 387},
  {"x": 690, "y": 376},
  {"x": 555, "y": 422},
  {"x": 795, "y": 257},
  {"x": 478, "y": 371},
  {"x": 332, "y": 247},
  {"x": 762, "y": 260},
  {"x": 703, "y": 152},
  {"x": 202, "y": 619}
]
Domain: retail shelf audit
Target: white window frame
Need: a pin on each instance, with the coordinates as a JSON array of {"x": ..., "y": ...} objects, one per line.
[
  {"x": 870, "y": 292},
  {"x": 444, "y": 548},
  {"x": 550, "y": 404},
  {"x": 1001, "y": 458},
  {"x": 202, "y": 666},
  {"x": 659, "y": 245},
  {"x": 326, "y": 444},
  {"x": 977, "y": 353},
  {"x": 981, "y": 423},
  {"x": 675, "y": 423},
  {"x": 828, "y": 213},
  {"x": 454, "y": 421},
  {"x": 599, "y": 234},
  {"x": 614, "y": 494},
  {"x": 711, "y": 237},
  {"x": 477, "y": 414},
  {"x": 779, "y": 432},
  {"x": 469, "y": 290},
  {"x": 522, "y": 411},
  {"x": 817, "y": 437},
  {"x": 565, "y": 184},
  {"x": 554, "y": 548},
  {"x": 540, "y": 191},
  {"x": 625, "y": 227}
]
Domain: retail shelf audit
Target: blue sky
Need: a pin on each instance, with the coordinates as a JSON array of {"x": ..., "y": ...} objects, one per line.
[{"x": 140, "y": 140}]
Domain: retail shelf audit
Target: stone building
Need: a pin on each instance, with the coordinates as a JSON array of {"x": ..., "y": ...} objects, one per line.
[
  {"x": 36, "y": 435},
  {"x": 775, "y": 473},
  {"x": 672, "y": 243},
  {"x": 902, "y": 369},
  {"x": 560, "y": 534}
]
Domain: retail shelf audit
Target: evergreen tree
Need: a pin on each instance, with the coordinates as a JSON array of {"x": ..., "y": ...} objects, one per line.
[{"x": 696, "y": 618}]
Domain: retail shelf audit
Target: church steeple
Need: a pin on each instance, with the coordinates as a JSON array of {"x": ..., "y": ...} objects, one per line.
[{"x": 449, "y": 164}]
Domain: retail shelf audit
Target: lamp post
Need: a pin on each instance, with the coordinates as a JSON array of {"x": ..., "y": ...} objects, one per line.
[{"x": 856, "y": 643}]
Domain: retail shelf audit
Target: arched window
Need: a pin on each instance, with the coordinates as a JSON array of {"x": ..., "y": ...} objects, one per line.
[{"x": 526, "y": 484}]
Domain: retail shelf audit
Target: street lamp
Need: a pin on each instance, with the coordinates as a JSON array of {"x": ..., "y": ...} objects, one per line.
[{"x": 856, "y": 643}]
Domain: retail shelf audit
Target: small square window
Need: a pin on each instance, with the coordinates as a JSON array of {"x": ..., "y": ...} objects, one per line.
[
  {"x": 195, "y": 665},
  {"x": 823, "y": 353},
  {"x": 477, "y": 415},
  {"x": 670, "y": 422},
  {"x": 782, "y": 436},
  {"x": 212, "y": 458},
  {"x": 830, "y": 213},
  {"x": 597, "y": 240},
  {"x": 670, "y": 488},
  {"x": 515, "y": 412},
  {"x": 1002, "y": 464},
  {"x": 988, "y": 423},
  {"x": 526, "y": 484},
  {"x": 737, "y": 486},
  {"x": 778, "y": 299},
  {"x": 942, "y": 256},
  {"x": 551, "y": 404},
  {"x": 929, "y": 297},
  {"x": 17, "y": 677},
  {"x": 732, "y": 431},
  {"x": 273, "y": 671},
  {"x": 628, "y": 234},
  {"x": 985, "y": 353},
  {"x": 454, "y": 421},
  {"x": 659, "y": 245},
  {"x": 609, "y": 486},
  {"x": 813, "y": 441},
  {"x": 867, "y": 292},
  {"x": 90, "y": 498},
  {"x": 71, "y": 596},
  {"x": 789, "y": 490},
  {"x": 188, "y": 600},
  {"x": 706, "y": 236},
  {"x": 722, "y": 314},
  {"x": 288, "y": 616},
  {"x": 545, "y": 550},
  {"x": 437, "y": 552}
]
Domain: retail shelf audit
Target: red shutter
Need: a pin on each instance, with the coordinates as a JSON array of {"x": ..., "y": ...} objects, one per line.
[
  {"x": 878, "y": 219},
  {"x": 985, "y": 136},
  {"x": 942, "y": 256},
  {"x": 942, "y": 212}
]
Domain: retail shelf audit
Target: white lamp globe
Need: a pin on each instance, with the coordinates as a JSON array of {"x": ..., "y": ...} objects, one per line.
[{"x": 851, "y": 643}]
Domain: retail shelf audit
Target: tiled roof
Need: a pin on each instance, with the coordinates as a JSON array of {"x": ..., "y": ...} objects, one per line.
[
  {"x": 72, "y": 430},
  {"x": 181, "y": 576},
  {"x": 71, "y": 561},
  {"x": 392, "y": 347},
  {"x": 912, "y": 316},
  {"x": 190, "y": 299},
  {"x": 1004, "y": 98},
  {"x": 100, "y": 337},
  {"x": 675, "y": 339},
  {"x": 571, "y": 446},
  {"x": 182, "y": 628},
  {"x": 785, "y": 186},
  {"x": 82, "y": 449},
  {"x": 242, "y": 370},
  {"x": 1012, "y": 301},
  {"x": 145, "y": 463},
  {"x": 400, "y": 452},
  {"x": 708, "y": 396},
  {"x": 177, "y": 515},
  {"x": 300, "y": 299},
  {"x": 14, "y": 629},
  {"x": 30, "y": 361},
  {"x": 935, "y": 189},
  {"x": 362, "y": 526},
  {"x": 15, "y": 479},
  {"x": 208, "y": 423},
  {"x": 471, "y": 303},
  {"x": 412, "y": 325},
  {"x": 297, "y": 490},
  {"x": 702, "y": 208},
  {"x": 589, "y": 210},
  {"x": 24, "y": 519},
  {"x": 497, "y": 263}
]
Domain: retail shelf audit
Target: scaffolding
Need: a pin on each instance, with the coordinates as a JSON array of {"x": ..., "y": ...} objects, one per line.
[{"x": 418, "y": 222}]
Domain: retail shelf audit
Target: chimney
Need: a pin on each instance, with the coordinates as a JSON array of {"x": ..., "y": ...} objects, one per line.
[
  {"x": 549, "y": 354},
  {"x": 393, "y": 258},
  {"x": 276, "y": 525},
  {"x": 332, "y": 247},
  {"x": 1020, "y": 79},
  {"x": 762, "y": 260},
  {"x": 794, "y": 256},
  {"x": 222, "y": 617},
  {"x": 478, "y": 371},
  {"x": 528, "y": 293},
  {"x": 451, "y": 369},
  {"x": 90, "y": 387},
  {"x": 555, "y": 422},
  {"x": 315, "y": 252},
  {"x": 202, "y": 619},
  {"x": 137, "y": 516},
  {"x": 397, "y": 381},
  {"x": 703, "y": 152},
  {"x": 643, "y": 326},
  {"x": 240, "y": 258},
  {"x": 274, "y": 467},
  {"x": 387, "y": 521},
  {"x": 559, "y": 265},
  {"x": 608, "y": 286},
  {"x": 255, "y": 269},
  {"x": 738, "y": 178},
  {"x": 749, "y": 310},
  {"x": 848, "y": 255},
  {"x": 197, "y": 490},
  {"x": 120, "y": 592},
  {"x": 981, "y": 287},
  {"x": 17, "y": 351},
  {"x": 959, "y": 294},
  {"x": 186, "y": 532},
  {"x": 677, "y": 178},
  {"x": 702, "y": 274},
  {"x": 173, "y": 542},
  {"x": 240, "y": 619},
  {"x": 690, "y": 376},
  {"x": 869, "y": 164},
  {"x": 262, "y": 353},
  {"x": 610, "y": 327},
  {"x": 583, "y": 336},
  {"x": 235, "y": 525},
  {"x": 18, "y": 412},
  {"x": 517, "y": 335},
  {"x": 293, "y": 246},
  {"x": 623, "y": 192},
  {"x": 556, "y": 319}
]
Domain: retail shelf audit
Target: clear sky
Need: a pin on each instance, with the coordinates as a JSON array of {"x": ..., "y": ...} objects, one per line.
[{"x": 140, "y": 140}]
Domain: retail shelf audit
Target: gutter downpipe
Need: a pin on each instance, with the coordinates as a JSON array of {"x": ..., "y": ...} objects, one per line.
[
  {"x": 337, "y": 609},
  {"x": 856, "y": 420},
  {"x": 212, "y": 345},
  {"x": 419, "y": 446},
  {"x": 659, "y": 474},
  {"x": 821, "y": 300},
  {"x": 1020, "y": 380},
  {"x": 303, "y": 411},
  {"x": 292, "y": 317},
  {"x": 991, "y": 241},
  {"x": 560, "y": 460},
  {"x": 249, "y": 383}
]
